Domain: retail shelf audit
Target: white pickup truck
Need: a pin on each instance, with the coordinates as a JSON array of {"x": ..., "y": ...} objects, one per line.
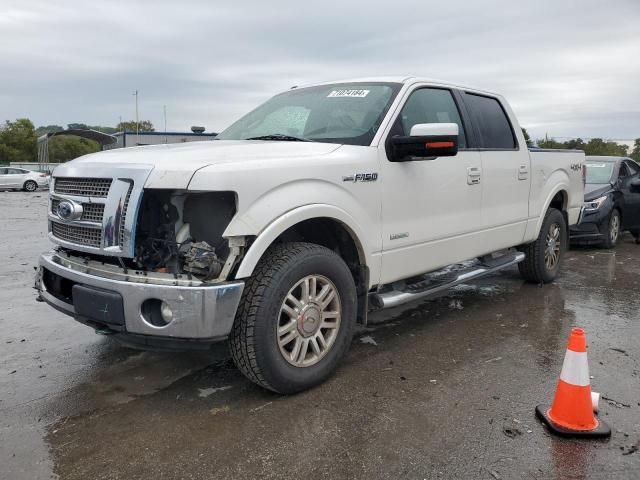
[{"x": 319, "y": 205}]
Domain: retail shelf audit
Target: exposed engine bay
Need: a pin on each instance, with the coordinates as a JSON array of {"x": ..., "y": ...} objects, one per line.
[{"x": 181, "y": 232}]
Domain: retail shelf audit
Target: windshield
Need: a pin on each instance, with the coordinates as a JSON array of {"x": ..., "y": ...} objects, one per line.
[
  {"x": 347, "y": 113},
  {"x": 600, "y": 172}
]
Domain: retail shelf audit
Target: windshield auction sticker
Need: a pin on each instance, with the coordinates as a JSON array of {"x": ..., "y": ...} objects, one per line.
[{"x": 348, "y": 93}]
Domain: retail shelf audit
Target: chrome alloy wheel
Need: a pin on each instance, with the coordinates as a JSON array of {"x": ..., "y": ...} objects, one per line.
[
  {"x": 614, "y": 228},
  {"x": 309, "y": 321},
  {"x": 552, "y": 250}
]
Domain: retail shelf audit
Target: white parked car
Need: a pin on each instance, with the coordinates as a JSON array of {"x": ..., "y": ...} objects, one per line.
[
  {"x": 323, "y": 203},
  {"x": 19, "y": 178}
]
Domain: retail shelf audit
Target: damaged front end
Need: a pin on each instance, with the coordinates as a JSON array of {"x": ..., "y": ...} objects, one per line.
[
  {"x": 180, "y": 233},
  {"x": 176, "y": 239},
  {"x": 172, "y": 285}
]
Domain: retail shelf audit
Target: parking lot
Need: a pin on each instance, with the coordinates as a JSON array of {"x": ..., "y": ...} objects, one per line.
[{"x": 439, "y": 389}]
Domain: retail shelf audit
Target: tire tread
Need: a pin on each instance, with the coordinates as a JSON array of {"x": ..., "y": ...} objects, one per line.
[
  {"x": 532, "y": 267},
  {"x": 242, "y": 340}
]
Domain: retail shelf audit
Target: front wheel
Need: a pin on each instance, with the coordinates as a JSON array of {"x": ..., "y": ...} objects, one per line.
[
  {"x": 30, "y": 186},
  {"x": 296, "y": 318},
  {"x": 612, "y": 233},
  {"x": 543, "y": 256}
]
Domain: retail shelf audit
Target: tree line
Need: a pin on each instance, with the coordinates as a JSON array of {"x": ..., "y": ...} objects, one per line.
[
  {"x": 18, "y": 140},
  {"x": 595, "y": 146}
]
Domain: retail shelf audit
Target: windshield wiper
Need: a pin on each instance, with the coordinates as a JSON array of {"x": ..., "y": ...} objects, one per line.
[{"x": 279, "y": 136}]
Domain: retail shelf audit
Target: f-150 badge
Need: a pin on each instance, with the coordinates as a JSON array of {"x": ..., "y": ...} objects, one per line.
[
  {"x": 361, "y": 177},
  {"x": 576, "y": 166}
]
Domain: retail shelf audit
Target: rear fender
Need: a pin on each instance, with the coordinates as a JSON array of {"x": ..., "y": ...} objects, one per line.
[{"x": 558, "y": 181}]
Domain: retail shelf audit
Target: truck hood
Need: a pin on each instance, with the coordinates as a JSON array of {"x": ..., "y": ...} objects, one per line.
[{"x": 173, "y": 165}]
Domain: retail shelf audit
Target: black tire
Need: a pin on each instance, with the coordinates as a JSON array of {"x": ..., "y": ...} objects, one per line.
[
  {"x": 534, "y": 267},
  {"x": 636, "y": 235},
  {"x": 30, "y": 186},
  {"x": 610, "y": 236},
  {"x": 254, "y": 340}
]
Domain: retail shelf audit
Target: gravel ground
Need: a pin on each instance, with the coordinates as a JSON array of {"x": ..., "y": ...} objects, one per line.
[{"x": 438, "y": 389}]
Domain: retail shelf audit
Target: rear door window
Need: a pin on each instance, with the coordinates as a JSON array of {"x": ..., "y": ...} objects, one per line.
[
  {"x": 633, "y": 167},
  {"x": 624, "y": 171},
  {"x": 492, "y": 122}
]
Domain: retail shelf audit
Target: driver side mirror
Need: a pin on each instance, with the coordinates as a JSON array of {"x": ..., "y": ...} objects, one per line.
[
  {"x": 634, "y": 185},
  {"x": 426, "y": 141}
]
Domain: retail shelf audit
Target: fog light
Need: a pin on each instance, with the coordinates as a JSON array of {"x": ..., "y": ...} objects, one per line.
[
  {"x": 156, "y": 312},
  {"x": 166, "y": 312}
]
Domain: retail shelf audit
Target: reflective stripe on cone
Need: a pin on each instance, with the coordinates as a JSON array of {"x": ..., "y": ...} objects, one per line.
[{"x": 571, "y": 413}]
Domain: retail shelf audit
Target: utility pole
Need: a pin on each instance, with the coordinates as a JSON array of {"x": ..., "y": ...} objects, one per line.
[
  {"x": 164, "y": 107},
  {"x": 137, "y": 121}
]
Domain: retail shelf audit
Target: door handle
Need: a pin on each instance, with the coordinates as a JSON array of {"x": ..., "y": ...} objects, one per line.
[
  {"x": 523, "y": 172},
  {"x": 473, "y": 175}
]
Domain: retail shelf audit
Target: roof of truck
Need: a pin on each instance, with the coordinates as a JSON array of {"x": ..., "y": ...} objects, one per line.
[{"x": 399, "y": 79}]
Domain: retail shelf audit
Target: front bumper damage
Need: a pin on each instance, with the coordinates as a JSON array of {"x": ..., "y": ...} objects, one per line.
[
  {"x": 114, "y": 302},
  {"x": 592, "y": 228}
]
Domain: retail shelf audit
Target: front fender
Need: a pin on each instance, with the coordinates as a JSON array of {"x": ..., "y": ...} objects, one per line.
[{"x": 272, "y": 231}]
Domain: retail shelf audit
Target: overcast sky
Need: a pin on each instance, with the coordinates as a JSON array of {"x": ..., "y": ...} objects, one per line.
[{"x": 568, "y": 67}]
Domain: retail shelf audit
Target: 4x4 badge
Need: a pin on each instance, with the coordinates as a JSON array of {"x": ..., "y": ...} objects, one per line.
[{"x": 361, "y": 177}]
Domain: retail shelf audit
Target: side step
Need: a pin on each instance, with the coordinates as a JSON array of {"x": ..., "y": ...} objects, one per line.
[{"x": 434, "y": 283}]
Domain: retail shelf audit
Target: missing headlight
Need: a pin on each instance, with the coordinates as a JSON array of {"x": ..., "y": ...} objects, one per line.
[{"x": 181, "y": 232}]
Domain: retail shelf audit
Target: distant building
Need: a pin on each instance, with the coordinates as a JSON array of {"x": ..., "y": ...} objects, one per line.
[{"x": 130, "y": 139}]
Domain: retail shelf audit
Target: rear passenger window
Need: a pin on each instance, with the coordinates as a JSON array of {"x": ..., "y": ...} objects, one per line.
[
  {"x": 492, "y": 121},
  {"x": 430, "y": 105},
  {"x": 633, "y": 167},
  {"x": 624, "y": 171}
]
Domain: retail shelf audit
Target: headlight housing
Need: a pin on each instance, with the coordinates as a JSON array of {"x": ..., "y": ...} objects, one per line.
[{"x": 592, "y": 205}]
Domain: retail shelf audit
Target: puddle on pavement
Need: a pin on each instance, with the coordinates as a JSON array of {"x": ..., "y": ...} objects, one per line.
[{"x": 478, "y": 357}]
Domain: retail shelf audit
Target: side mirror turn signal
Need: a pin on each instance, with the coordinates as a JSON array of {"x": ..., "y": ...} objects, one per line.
[{"x": 426, "y": 141}]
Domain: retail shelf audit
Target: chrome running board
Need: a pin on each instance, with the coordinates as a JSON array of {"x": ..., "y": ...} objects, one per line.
[{"x": 434, "y": 283}]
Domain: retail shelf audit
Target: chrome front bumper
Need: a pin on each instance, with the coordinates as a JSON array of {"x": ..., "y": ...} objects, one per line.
[{"x": 200, "y": 312}]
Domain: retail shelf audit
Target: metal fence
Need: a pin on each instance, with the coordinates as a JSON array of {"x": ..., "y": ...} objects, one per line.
[{"x": 35, "y": 166}]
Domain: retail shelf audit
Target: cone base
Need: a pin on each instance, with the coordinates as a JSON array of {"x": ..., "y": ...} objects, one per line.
[{"x": 601, "y": 431}]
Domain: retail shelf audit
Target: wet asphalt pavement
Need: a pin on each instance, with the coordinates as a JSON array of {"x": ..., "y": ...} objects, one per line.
[{"x": 438, "y": 389}]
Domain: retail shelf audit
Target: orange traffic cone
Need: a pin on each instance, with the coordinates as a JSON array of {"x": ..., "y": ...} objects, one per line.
[{"x": 571, "y": 414}]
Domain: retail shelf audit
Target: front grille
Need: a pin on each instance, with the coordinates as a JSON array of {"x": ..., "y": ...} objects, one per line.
[
  {"x": 91, "y": 212},
  {"x": 86, "y": 187},
  {"x": 108, "y": 196},
  {"x": 90, "y": 237}
]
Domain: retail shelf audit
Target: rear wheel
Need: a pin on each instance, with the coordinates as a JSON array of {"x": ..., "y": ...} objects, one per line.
[
  {"x": 30, "y": 186},
  {"x": 636, "y": 235},
  {"x": 613, "y": 230},
  {"x": 543, "y": 256},
  {"x": 296, "y": 318}
]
